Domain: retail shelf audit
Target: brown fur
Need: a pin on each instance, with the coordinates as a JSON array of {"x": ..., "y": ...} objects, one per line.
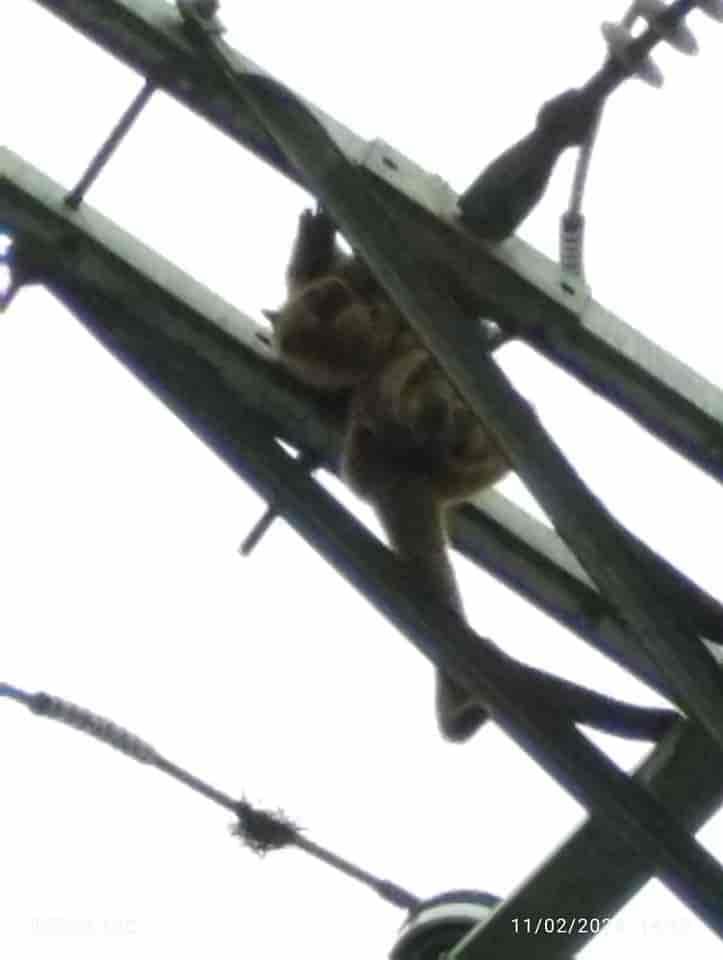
[{"x": 412, "y": 446}]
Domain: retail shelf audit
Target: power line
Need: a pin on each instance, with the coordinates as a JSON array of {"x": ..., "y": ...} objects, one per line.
[{"x": 263, "y": 831}]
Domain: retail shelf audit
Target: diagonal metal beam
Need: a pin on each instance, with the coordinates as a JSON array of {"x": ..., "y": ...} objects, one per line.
[
  {"x": 520, "y": 287},
  {"x": 532, "y": 560},
  {"x": 192, "y": 366}
]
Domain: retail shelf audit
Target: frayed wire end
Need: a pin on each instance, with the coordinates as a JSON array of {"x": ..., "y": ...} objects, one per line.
[{"x": 263, "y": 830}]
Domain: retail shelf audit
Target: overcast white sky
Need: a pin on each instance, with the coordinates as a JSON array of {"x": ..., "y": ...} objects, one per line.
[{"x": 122, "y": 587}]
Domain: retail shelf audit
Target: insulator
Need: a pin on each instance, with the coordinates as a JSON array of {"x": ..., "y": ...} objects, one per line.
[
  {"x": 678, "y": 35},
  {"x": 618, "y": 40},
  {"x": 435, "y": 926},
  {"x": 714, "y": 8}
]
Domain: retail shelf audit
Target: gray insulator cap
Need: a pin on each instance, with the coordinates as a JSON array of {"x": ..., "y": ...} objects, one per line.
[
  {"x": 678, "y": 35},
  {"x": 618, "y": 40}
]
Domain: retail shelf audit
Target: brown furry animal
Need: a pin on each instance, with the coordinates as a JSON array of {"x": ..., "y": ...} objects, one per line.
[{"x": 412, "y": 446}]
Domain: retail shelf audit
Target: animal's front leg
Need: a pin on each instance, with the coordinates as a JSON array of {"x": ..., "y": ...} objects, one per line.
[{"x": 314, "y": 252}]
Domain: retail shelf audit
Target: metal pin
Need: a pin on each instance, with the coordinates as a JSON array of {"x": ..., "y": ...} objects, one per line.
[
  {"x": 307, "y": 463},
  {"x": 76, "y": 195},
  {"x": 258, "y": 530}
]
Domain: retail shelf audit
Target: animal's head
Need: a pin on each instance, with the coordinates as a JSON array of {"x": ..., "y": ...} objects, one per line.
[{"x": 326, "y": 335}]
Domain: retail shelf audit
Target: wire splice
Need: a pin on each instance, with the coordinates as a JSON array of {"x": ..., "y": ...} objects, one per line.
[{"x": 261, "y": 830}]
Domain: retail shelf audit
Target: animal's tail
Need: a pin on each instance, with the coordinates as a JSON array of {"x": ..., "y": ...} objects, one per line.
[{"x": 414, "y": 521}]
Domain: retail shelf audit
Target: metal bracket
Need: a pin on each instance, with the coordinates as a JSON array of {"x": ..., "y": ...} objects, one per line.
[
  {"x": 202, "y": 14},
  {"x": 398, "y": 170},
  {"x": 665, "y": 23}
]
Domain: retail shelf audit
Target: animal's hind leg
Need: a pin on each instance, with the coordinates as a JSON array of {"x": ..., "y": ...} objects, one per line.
[{"x": 412, "y": 516}]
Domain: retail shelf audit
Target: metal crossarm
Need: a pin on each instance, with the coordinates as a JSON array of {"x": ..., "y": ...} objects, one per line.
[
  {"x": 524, "y": 291},
  {"x": 595, "y": 871},
  {"x": 495, "y": 534},
  {"x": 193, "y": 366}
]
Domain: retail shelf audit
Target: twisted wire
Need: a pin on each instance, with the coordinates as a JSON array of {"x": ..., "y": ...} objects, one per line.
[{"x": 261, "y": 830}]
